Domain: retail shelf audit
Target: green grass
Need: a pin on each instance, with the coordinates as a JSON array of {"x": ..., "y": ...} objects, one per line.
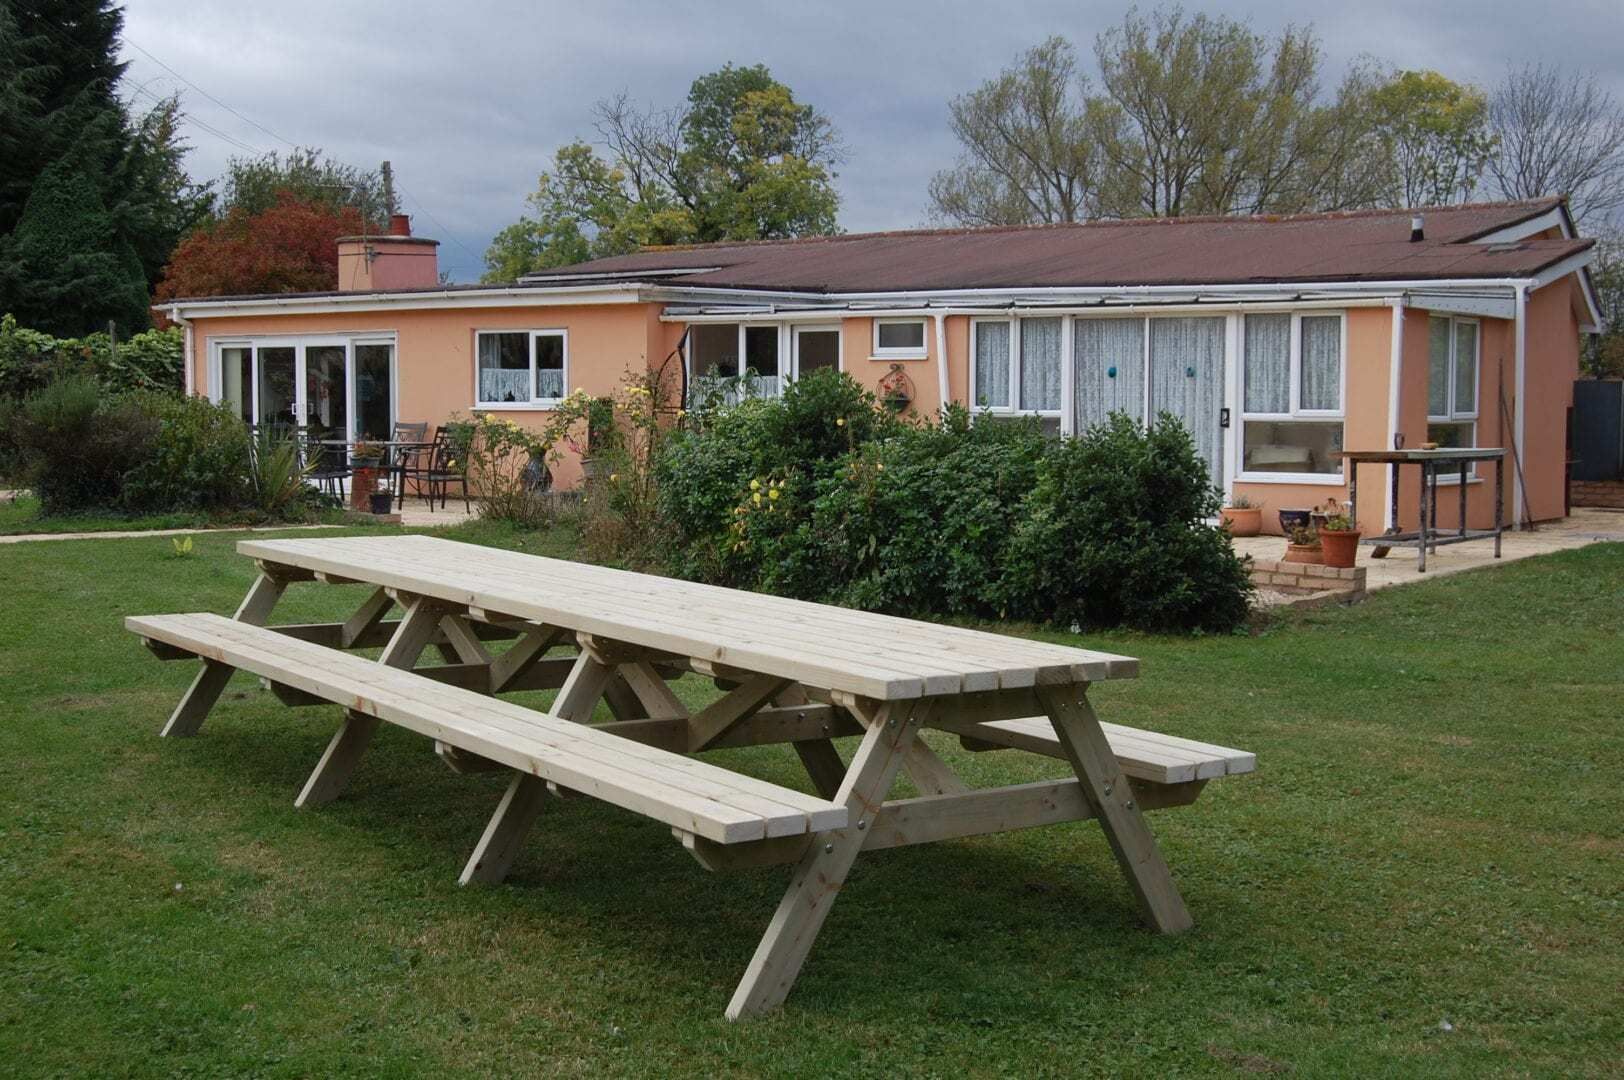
[{"x": 1435, "y": 834}]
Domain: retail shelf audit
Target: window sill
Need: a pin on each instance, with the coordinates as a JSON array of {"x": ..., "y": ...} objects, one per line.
[
  {"x": 899, "y": 356},
  {"x": 521, "y": 406},
  {"x": 1322, "y": 479}
]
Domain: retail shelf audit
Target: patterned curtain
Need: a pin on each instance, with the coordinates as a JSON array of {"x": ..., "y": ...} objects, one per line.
[
  {"x": 1321, "y": 386},
  {"x": 1040, "y": 364},
  {"x": 992, "y": 364},
  {"x": 1109, "y": 361},
  {"x": 1187, "y": 380},
  {"x": 1268, "y": 363}
]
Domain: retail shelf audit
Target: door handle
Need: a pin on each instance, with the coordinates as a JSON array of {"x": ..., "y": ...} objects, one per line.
[{"x": 1223, "y": 418}]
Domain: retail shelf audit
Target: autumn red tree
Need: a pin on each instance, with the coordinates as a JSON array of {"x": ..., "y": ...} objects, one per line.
[{"x": 290, "y": 247}]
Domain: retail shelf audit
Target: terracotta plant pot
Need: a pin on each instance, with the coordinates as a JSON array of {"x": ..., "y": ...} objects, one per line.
[
  {"x": 382, "y": 502},
  {"x": 1303, "y": 553},
  {"x": 1242, "y": 520},
  {"x": 1340, "y": 547},
  {"x": 362, "y": 481}
]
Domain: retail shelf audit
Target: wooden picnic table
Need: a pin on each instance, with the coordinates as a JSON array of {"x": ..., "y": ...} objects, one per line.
[
  {"x": 1432, "y": 463},
  {"x": 793, "y": 672}
]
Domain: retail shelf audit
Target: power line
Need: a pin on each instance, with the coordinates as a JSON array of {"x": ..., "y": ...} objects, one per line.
[{"x": 211, "y": 97}]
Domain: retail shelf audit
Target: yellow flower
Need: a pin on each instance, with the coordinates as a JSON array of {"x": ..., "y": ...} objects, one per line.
[
  {"x": 614, "y": 478},
  {"x": 880, "y": 466},
  {"x": 756, "y": 498},
  {"x": 755, "y": 485},
  {"x": 773, "y": 494},
  {"x": 840, "y": 422}
]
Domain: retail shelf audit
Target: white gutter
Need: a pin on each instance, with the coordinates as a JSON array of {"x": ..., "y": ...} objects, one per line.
[
  {"x": 941, "y": 359},
  {"x": 771, "y": 315},
  {"x": 1395, "y": 381},
  {"x": 1519, "y": 463}
]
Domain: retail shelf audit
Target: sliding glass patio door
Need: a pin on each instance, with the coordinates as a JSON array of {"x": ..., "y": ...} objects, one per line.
[{"x": 338, "y": 388}]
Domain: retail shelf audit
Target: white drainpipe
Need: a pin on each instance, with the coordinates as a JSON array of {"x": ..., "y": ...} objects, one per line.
[
  {"x": 941, "y": 359},
  {"x": 187, "y": 350},
  {"x": 1395, "y": 382},
  {"x": 1518, "y": 446}
]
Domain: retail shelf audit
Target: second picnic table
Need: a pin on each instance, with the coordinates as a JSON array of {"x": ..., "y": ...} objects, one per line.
[{"x": 792, "y": 672}]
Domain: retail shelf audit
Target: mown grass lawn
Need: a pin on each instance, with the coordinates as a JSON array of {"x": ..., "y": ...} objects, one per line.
[{"x": 1424, "y": 877}]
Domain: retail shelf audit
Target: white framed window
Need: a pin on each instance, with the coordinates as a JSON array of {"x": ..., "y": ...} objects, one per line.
[
  {"x": 1452, "y": 381},
  {"x": 520, "y": 369},
  {"x": 714, "y": 359},
  {"x": 899, "y": 339},
  {"x": 1017, "y": 367},
  {"x": 1293, "y": 384}
]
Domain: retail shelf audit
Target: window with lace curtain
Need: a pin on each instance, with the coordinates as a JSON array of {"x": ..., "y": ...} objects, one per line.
[
  {"x": 521, "y": 368},
  {"x": 1291, "y": 395},
  {"x": 1016, "y": 367}
]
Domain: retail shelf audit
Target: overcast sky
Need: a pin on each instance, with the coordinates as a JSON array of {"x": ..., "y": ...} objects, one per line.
[{"x": 470, "y": 100}]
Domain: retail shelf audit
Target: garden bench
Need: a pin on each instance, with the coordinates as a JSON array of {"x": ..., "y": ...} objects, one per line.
[{"x": 792, "y": 673}]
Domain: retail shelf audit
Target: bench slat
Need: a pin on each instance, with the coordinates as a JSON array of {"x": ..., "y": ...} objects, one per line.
[
  {"x": 1144, "y": 755},
  {"x": 679, "y": 791}
]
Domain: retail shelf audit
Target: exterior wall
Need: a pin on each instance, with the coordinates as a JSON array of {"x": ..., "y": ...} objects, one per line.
[
  {"x": 857, "y": 348},
  {"x": 434, "y": 352},
  {"x": 1552, "y": 366}
]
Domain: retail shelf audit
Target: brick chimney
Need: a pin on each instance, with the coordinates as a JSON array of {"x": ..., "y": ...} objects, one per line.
[{"x": 396, "y": 260}]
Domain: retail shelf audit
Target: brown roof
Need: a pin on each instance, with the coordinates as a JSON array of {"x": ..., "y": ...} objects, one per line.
[{"x": 1353, "y": 246}]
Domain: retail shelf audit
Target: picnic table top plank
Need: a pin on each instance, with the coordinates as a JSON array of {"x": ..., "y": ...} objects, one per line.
[{"x": 877, "y": 656}]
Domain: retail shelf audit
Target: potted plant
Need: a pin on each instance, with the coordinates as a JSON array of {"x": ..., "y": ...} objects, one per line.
[
  {"x": 1303, "y": 546},
  {"x": 382, "y": 499},
  {"x": 1339, "y": 540},
  {"x": 1292, "y": 520},
  {"x": 1243, "y": 517}
]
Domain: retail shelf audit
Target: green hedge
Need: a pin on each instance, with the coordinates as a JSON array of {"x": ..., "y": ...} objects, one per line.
[
  {"x": 825, "y": 495},
  {"x": 30, "y": 359}
]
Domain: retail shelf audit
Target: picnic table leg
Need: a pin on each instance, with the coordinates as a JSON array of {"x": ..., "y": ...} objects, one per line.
[
  {"x": 1111, "y": 797},
  {"x": 521, "y": 804},
  {"x": 823, "y": 765},
  {"x": 211, "y": 681},
  {"x": 344, "y": 752},
  {"x": 819, "y": 875}
]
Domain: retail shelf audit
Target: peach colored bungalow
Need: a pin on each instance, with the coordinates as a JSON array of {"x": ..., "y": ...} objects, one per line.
[{"x": 1278, "y": 341}]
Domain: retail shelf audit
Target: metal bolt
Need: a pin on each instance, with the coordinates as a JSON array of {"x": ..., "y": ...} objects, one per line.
[
  {"x": 891, "y": 722},
  {"x": 800, "y": 716},
  {"x": 828, "y": 849},
  {"x": 1108, "y": 789},
  {"x": 826, "y": 729},
  {"x": 1128, "y": 805},
  {"x": 861, "y": 824}
]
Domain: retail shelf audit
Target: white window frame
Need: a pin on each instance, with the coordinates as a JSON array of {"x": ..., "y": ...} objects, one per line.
[
  {"x": 788, "y": 352},
  {"x": 909, "y": 353},
  {"x": 299, "y": 343},
  {"x": 531, "y": 334},
  {"x": 795, "y": 331},
  {"x": 1296, "y": 412},
  {"x": 1455, "y": 414},
  {"x": 1014, "y": 407}
]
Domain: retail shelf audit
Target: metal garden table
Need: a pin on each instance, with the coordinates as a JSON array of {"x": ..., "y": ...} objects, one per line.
[{"x": 1431, "y": 463}]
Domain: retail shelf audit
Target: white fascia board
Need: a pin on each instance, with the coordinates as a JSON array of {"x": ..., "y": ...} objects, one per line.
[
  {"x": 620, "y": 275},
  {"x": 1462, "y": 303},
  {"x": 1051, "y": 308},
  {"x": 472, "y": 298},
  {"x": 1578, "y": 265},
  {"x": 1553, "y": 218}
]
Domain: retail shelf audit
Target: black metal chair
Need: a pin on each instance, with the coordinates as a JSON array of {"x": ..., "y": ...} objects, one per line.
[
  {"x": 446, "y": 467},
  {"x": 329, "y": 464}
]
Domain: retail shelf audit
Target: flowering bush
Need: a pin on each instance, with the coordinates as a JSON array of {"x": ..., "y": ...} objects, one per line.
[{"x": 504, "y": 464}]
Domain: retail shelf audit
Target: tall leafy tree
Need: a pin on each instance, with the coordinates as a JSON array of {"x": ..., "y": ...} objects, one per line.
[
  {"x": 291, "y": 246},
  {"x": 741, "y": 159},
  {"x": 66, "y": 261},
  {"x": 255, "y": 185},
  {"x": 59, "y": 72},
  {"x": 1437, "y": 136}
]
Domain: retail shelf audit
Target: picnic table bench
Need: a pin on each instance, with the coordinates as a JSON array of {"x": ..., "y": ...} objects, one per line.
[{"x": 792, "y": 672}]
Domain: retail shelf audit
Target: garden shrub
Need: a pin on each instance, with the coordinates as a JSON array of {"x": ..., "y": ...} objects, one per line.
[
  {"x": 31, "y": 359},
  {"x": 76, "y": 444},
  {"x": 199, "y": 458},
  {"x": 825, "y": 495},
  {"x": 1115, "y": 532}
]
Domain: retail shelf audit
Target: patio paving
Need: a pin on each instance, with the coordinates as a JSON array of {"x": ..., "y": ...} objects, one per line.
[{"x": 1585, "y": 526}]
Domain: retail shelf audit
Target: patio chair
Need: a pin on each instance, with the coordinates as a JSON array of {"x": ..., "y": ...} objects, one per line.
[
  {"x": 409, "y": 456},
  {"x": 445, "y": 469},
  {"x": 329, "y": 465}
]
